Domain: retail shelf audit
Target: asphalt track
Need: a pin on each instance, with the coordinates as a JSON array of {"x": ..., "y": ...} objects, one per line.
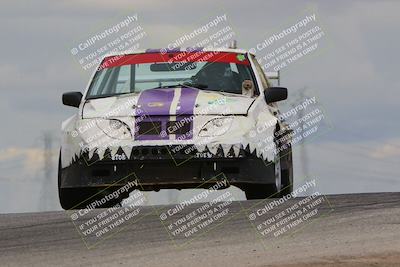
[{"x": 349, "y": 230}]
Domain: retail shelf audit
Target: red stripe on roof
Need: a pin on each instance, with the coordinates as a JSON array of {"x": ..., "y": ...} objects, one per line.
[{"x": 199, "y": 56}]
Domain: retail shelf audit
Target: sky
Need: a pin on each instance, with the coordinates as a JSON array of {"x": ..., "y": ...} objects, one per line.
[{"x": 353, "y": 72}]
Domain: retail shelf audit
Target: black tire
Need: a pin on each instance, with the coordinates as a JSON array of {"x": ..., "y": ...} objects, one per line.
[
  {"x": 75, "y": 198},
  {"x": 79, "y": 198},
  {"x": 260, "y": 191}
]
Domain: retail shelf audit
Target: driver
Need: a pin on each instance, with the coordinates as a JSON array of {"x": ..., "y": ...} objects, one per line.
[{"x": 218, "y": 76}]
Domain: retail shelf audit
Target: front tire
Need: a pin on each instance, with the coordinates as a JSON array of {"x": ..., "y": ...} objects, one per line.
[
  {"x": 283, "y": 181},
  {"x": 259, "y": 191},
  {"x": 79, "y": 198},
  {"x": 75, "y": 198}
]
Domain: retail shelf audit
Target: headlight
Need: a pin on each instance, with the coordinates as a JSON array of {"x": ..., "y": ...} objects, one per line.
[
  {"x": 216, "y": 127},
  {"x": 115, "y": 129},
  {"x": 116, "y": 124}
]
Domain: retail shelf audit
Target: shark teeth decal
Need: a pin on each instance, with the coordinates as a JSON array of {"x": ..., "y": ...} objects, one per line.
[
  {"x": 127, "y": 151},
  {"x": 101, "y": 152},
  {"x": 220, "y": 152},
  {"x": 229, "y": 151},
  {"x": 133, "y": 152},
  {"x": 200, "y": 148},
  {"x": 213, "y": 149},
  {"x": 226, "y": 149},
  {"x": 91, "y": 152},
  {"x": 236, "y": 150},
  {"x": 252, "y": 147},
  {"x": 113, "y": 152}
]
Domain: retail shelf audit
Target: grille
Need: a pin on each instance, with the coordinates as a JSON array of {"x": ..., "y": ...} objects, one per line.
[
  {"x": 149, "y": 128},
  {"x": 178, "y": 127},
  {"x": 162, "y": 128}
]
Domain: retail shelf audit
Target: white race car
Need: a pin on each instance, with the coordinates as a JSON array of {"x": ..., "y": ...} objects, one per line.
[{"x": 174, "y": 119}]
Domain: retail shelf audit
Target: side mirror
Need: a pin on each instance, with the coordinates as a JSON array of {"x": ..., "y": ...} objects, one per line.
[
  {"x": 275, "y": 94},
  {"x": 72, "y": 99}
]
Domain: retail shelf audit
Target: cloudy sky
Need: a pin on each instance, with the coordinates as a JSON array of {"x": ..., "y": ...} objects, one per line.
[{"x": 353, "y": 73}]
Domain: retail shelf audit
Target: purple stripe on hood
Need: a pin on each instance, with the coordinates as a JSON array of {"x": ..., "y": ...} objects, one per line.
[
  {"x": 154, "y": 102},
  {"x": 187, "y": 104},
  {"x": 187, "y": 100},
  {"x": 153, "y": 105}
]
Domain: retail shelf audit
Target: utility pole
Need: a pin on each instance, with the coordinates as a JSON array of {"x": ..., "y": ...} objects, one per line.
[
  {"x": 303, "y": 149},
  {"x": 47, "y": 190}
]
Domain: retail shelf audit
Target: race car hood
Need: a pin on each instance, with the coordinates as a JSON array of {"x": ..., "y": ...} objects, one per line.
[{"x": 168, "y": 101}]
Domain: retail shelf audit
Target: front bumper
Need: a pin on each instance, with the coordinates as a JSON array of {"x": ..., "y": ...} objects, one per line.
[{"x": 162, "y": 167}]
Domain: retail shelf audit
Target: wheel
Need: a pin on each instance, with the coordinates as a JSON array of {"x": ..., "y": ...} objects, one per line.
[
  {"x": 75, "y": 198},
  {"x": 79, "y": 198},
  {"x": 283, "y": 180},
  {"x": 68, "y": 199},
  {"x": 259, "y": 191}
]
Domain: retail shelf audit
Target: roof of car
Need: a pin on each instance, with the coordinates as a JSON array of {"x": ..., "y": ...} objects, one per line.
[{"x": 188, "y": 49}]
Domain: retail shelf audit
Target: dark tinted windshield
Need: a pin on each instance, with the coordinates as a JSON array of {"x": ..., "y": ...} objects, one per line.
[{"x": 132, "y": 78}]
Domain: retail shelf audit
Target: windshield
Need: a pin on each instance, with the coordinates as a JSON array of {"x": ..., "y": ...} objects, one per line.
[{"x": 224, "y": 72}]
